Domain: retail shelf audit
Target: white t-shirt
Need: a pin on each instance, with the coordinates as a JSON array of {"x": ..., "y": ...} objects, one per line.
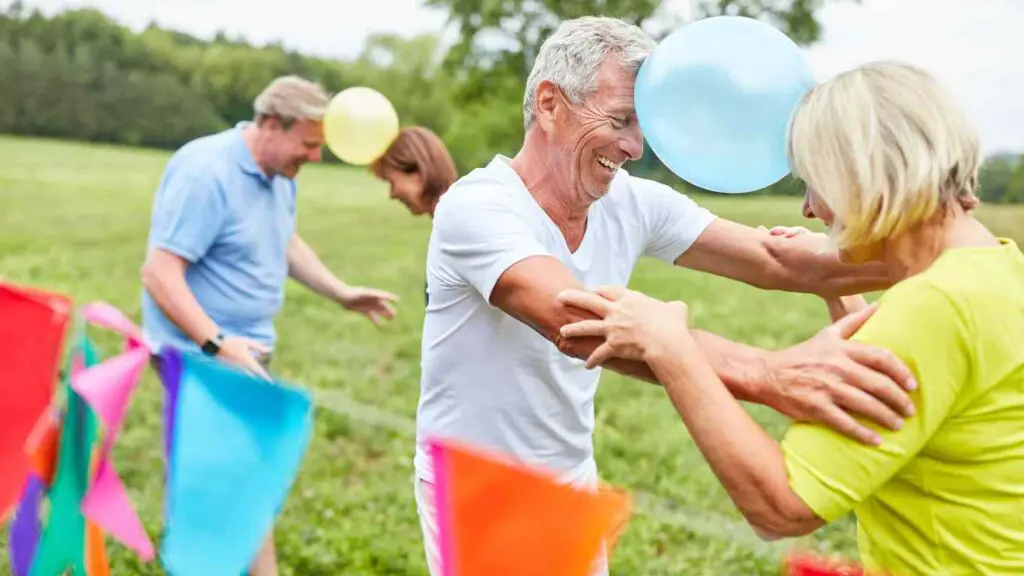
[{"x": 487, "y": 378}]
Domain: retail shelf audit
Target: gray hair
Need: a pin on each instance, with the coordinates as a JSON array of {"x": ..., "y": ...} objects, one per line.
[
  {"x": 291, "y": 98},
  {"x": 572, "y": 55}
]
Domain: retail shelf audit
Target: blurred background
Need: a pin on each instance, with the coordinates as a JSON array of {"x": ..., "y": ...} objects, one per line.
[{"x": 158, "y": 74}]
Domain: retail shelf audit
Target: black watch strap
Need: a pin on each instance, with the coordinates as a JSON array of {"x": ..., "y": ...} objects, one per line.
[{"x": 212, "y": 347}]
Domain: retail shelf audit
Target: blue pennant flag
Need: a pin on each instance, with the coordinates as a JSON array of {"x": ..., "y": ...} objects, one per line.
[{"x": 237, "y": 442}]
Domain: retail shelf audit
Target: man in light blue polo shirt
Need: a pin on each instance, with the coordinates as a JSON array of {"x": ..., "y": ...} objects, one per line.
[{"x": 223, "y": 242}]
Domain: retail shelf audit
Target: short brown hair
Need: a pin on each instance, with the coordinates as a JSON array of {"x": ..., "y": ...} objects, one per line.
[{"x": 418, "y": 149}]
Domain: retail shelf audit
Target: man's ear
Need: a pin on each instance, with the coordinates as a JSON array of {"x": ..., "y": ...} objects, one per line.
[{"x": 548, "y": 103}]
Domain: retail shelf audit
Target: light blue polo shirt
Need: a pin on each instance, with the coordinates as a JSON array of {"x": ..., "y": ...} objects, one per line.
[{"x": 216, "y": 208}]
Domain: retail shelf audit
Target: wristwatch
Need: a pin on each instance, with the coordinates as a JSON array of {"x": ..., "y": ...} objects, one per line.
[{"x": 212, "y": 346}]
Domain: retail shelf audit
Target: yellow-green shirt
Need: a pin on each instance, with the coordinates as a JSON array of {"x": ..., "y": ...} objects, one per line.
[{"x": 945, "y": 494}]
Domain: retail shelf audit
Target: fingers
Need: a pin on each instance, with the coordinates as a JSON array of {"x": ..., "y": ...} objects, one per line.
[
  {"x": 834, "y": 417},
  {"x": 599, "y": 356},
  {"x": 387, "y": 296},
  {"x": 585, "y": 301},
  {"x": 884, "y": 363},
  {"x": 612, "y": 293},
  {"x": 252, "y": 365},
  {"x": 848, "y": 325},
  {"x": 256, "y": 346},
  {"x": 860, "y": 402},
  {"x": 585, "y": 328}
]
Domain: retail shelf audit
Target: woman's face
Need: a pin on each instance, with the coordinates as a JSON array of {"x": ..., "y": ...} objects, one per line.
[
  {"x": 814, "y": 207},
  {"x": 407, "y": 188}
]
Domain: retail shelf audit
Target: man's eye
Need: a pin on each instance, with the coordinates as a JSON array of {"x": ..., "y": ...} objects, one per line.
[{"x": 620, "y": 121}]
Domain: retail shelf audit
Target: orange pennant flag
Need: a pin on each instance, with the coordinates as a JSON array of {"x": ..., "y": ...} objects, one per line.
[
  {"x": 502, "y": 518},
  {"x": 42, "y": 446},
  {"x": 96, "y": 551}
]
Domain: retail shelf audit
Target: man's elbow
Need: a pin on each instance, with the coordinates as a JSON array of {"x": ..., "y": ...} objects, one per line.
[
  {"x": 149, "y": 275},
  {"x": 159, "y": 270}
]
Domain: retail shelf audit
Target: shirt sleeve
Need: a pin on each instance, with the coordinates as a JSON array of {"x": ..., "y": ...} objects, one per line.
[
  {"x": 672, "y": 220},
  {"x": 921, "y": 325},
  {"x": 479, "y": 234},
  {"x": 189, "y": 214}
]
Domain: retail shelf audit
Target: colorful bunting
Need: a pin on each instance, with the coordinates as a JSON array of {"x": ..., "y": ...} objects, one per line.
[
  {"x": 501, "y": 518},
  {"x": 224, "y": 494},
  {"x": 233, "y": 444},
  {"x": 31, "y": 334},
  {"x": 62, "y": 543},
  {"x": 107, "y": 388}
]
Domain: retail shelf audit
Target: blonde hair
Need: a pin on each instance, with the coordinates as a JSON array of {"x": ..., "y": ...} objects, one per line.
[
  {"x": 885, "y": 148},
  {"x": 291, "y": 98}
]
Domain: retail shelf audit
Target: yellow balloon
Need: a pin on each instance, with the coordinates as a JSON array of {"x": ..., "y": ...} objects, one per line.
[{"x": 359, "y": 125}]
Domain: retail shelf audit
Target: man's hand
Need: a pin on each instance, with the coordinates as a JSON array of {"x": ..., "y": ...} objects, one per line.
[
  {"x": 828, "y": 378},
  {"x": 374, "y": 304},
  {"x": 239, "y": 351}
]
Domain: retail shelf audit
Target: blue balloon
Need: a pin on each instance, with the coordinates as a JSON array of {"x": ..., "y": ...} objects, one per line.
[{"x": 714, "y": 100}]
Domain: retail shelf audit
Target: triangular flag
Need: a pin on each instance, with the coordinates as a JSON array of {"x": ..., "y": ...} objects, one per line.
[
  {"x": 502, "y": 518},
  {"x": 107, "y": 387},
  {"x": 62, "y": 546},
  {"x": 32, "y": 327},
  {"x": 42, "y": 446},
  {"x": 25, "y": 527},
  {"x": 238, "y": 441},
  {"x": 807, "y": 564},
  {"x": 96, "y": 551},
  {"x": 168, "y": 365}
]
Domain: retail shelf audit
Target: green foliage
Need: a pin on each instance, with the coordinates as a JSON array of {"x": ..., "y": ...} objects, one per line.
[{"x": 81, "y": 75}]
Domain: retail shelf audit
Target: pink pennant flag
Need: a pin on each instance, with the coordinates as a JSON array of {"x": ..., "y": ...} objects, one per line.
[{"x": 107, "y": 388}]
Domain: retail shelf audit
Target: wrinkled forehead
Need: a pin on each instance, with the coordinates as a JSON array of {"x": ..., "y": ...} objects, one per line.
[{"x": 613, "y": 85}]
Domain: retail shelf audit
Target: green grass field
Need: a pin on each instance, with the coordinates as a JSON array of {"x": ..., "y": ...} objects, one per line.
[{"x": 74, "y": 218}]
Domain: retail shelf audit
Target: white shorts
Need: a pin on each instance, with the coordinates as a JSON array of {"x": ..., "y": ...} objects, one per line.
[{"x": 424, "y": 492}]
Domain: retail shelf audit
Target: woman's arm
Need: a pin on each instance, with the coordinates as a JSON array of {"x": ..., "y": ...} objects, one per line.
[{"x": 748, "y": 462}]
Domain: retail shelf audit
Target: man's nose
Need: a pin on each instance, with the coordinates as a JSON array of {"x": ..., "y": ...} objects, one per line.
[{"x": 633, "y": 143}]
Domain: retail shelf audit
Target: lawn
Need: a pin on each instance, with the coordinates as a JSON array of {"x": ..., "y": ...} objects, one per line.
[{"x": 74, "y": 218}]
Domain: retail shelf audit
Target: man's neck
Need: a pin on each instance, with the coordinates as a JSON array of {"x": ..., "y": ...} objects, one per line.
[
  {"x": 254, "y": 142},
  {"x": 551, "y": 188}
]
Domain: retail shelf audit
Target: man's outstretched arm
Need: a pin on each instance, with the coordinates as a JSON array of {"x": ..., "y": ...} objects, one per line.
[{"x": 824, "y": 379}]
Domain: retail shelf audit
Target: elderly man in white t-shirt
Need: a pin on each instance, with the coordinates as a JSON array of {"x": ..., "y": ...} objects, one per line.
[{"x": 508, "y": 237}]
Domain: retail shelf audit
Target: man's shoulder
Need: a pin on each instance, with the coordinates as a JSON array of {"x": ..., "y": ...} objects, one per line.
[
  {"x": 481, "y": 188},
  {"x": 203, "y": 157}
]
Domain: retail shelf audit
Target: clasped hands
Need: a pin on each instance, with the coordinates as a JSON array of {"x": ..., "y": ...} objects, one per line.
[{"x": 827, "y": 379}]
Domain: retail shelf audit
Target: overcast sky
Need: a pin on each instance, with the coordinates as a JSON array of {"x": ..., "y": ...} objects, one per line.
[{"x": 974, "y": 46}]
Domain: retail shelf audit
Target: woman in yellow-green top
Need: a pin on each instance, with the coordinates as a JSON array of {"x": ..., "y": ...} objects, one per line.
[{"x": 891, "y": 167}]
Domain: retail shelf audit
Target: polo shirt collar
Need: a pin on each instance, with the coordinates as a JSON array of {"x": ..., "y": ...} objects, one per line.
[{"x": 243, "y": 156}]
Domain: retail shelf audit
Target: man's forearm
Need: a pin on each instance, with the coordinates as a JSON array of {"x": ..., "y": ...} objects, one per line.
[{"x": 307, "y": 269}]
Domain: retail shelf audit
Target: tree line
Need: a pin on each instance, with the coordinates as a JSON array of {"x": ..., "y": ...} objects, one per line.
[{"x": 79, "y": 74}]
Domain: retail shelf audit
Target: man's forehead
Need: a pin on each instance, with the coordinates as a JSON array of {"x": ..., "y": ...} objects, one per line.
[
  {"x": 309, "y": 129},
  {"x": 614, "y": 84}
]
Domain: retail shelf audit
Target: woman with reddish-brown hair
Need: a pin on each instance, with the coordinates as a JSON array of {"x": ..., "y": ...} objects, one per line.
[{"x": 418, "y": 167}]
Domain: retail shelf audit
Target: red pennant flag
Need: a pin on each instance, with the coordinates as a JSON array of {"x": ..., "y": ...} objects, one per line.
[
  {"x": 32, "y": 328},
  {"x": 500, "y": 518},
  {"x": 809, "y": 565}
]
